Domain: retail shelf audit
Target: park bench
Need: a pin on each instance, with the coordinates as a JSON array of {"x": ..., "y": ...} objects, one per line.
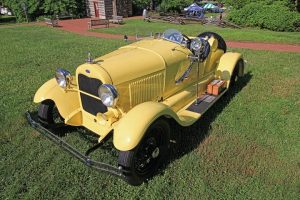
[
  {"x": 116, "y": 19},
  {"x": 51, "y": 22},
  {"x": 97, "y": 22}
]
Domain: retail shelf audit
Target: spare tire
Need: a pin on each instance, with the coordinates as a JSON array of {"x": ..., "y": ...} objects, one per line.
[{"x": 221, "y": 42}]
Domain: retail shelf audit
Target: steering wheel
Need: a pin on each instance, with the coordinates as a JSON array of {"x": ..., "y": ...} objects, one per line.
[{"x": 187, "y": 40}]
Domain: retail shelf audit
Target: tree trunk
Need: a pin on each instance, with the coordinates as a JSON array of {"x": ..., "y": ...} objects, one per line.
[
  {"x": 152, "y": 5},
  {"x": 114, "y": 4}
]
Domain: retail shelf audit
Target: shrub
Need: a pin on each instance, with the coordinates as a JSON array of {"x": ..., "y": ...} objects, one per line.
[
  {"x": 36, "y": 8},
  {"x": 174, "y": 5},
  {"x": 274, "y": 16}
]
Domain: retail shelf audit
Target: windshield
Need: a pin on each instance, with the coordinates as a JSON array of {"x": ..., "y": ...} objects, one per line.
[{"x": 173, "y": 36}]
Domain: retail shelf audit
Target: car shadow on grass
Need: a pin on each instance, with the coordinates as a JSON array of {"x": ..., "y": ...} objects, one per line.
[{"x": 189, "y": 138}]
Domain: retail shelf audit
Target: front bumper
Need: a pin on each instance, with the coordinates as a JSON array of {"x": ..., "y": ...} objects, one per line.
[{"x": 84, "y": 158}]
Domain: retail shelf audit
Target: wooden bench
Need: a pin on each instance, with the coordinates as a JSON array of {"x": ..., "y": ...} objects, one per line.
[
  {"x": 51, "y": 22},
  {"x": 116, "y": 19},
  {"x": 97, "y": 22}
]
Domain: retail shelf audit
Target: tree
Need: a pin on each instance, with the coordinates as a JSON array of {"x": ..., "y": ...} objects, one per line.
[
  {"x": 32, "y": 8},
  {"x": 174, "y": 5},
  {"x": 36, "y": 8},
  {"x": 56, "y": 7}
]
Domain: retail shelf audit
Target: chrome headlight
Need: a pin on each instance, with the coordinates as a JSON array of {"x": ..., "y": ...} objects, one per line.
[
  {"x": 62, "y": 77},
  {"x": 196, "y": 44},
  {"x": 108, "y": 95}
]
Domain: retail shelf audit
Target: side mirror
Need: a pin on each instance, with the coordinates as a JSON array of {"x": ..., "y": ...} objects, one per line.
[{"x": 200, "y": 47}]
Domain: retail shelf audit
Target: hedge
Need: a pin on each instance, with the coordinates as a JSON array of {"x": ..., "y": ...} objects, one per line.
[{"x": 274, "y": 16}]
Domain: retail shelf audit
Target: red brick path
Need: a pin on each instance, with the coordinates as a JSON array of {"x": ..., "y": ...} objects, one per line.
[{"x": 80, "y": 26}]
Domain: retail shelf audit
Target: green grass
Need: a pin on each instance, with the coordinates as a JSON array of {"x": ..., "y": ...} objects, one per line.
[
  {"x": 137, "y": 26},
  {"x": 247, "y": 146}
]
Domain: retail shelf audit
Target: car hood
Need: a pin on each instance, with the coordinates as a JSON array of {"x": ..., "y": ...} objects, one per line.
[{"x": 139, "y": 59}]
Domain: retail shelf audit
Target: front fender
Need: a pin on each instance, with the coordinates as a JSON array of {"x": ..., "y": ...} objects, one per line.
[
  {"x": 227, "y": 64},
  {"x": 65, "y": 100},
  {"x": 131, "y": 128}
]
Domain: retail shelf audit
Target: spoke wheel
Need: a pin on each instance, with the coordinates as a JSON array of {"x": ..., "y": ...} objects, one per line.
[
  {"x": 149, "y": 152},
  {"x": 143, "y": 161}
]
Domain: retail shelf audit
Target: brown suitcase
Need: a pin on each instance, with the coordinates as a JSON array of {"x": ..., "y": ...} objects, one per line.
[
  {"x": 218, "y": 88},
  {"x": 210, "y": 86}
]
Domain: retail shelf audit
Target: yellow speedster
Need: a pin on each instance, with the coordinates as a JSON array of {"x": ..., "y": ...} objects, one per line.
[{"x": 132, "y": 93}]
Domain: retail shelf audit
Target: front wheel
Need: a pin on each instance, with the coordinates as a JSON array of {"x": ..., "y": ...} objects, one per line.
[
  {"x": 143, "y": 161},
  {"x": 48, "y": 114}
]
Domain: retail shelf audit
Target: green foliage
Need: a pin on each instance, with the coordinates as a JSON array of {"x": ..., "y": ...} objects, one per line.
[
  {"x": 275, "y": 16},
  {"x": 141, "y": 3},
  {"x": 55, "y": 7},
  {"x": 36, "y": 8},
  {"x": 174, "y": 5},
  {"x": 16, "y": 7},
  {"x": 238, "y": 4}
]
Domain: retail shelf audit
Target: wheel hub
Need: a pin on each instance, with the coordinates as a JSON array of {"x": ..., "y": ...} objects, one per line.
[{"x": 155, "y": 153}]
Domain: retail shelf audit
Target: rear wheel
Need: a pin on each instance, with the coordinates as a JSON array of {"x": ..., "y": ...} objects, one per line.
[
  {"x": 143, "y": 161},
  {"x": 221, "y": 42},
  {"x": 48, "y": 114},
  {"x": 235, "y": 73}
]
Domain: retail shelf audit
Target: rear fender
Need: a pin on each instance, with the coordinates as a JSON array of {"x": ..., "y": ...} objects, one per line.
[
  {"x": 131, "y": 128},
  {"x": 66, "y": 101},
  {"x": 227, "y": 64}
]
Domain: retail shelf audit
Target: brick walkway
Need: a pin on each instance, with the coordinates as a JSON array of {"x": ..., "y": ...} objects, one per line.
[{"x": 80, "y": 26}]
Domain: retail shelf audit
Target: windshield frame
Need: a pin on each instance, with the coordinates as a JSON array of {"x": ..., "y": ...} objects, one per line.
[{"x": 172, "y": 31}]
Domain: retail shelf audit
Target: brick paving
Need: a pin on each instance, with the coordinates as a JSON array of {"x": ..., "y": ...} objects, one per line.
[{"x": 80, "y": 26}]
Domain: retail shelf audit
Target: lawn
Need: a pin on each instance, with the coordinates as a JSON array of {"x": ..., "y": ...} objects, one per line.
[
  {"x": 138, "y": 26},
  {"x": 247, "y": 146}
]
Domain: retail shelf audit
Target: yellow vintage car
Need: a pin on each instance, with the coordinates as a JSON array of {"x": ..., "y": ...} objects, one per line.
[{"x": 132, "y": 93}]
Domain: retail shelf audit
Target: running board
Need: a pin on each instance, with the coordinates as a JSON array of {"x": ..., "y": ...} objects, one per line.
[{"x": 202, "y": 104}]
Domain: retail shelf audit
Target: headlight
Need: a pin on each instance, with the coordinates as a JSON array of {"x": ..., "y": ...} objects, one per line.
[
  {"x": 62, "y": 77},
  {"x": 108, "y": 95}
]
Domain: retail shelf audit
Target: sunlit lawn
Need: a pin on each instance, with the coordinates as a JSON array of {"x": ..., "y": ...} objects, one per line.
[
  {"x": 138, "y": 26},
  {"x": 246, "y": 147}
]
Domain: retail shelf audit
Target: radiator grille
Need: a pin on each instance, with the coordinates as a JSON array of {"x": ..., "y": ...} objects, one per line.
[
  {"x": 92, "y": 105},
  {"x": 90, "y": 86},
  {"x": 146, "y": 89}
]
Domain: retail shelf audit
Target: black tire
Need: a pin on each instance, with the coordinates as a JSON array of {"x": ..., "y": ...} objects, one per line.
[
  {"x": 48, "y": 114},
  {"x": 221, "y": 42},
  {"x": 143, "y": 161},
  {"x": 235, "y": 73}
]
